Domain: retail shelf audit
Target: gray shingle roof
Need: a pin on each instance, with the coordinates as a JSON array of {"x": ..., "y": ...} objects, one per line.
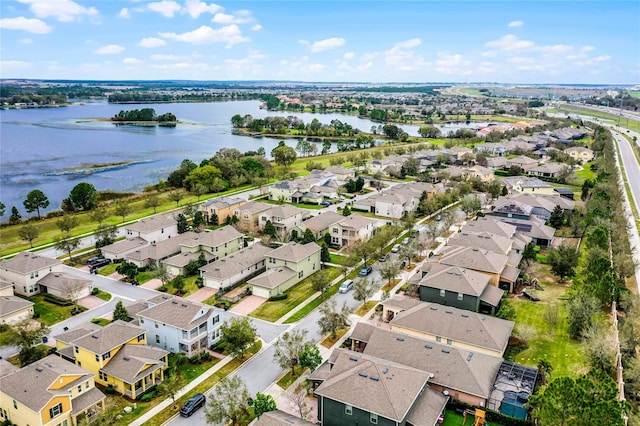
[
  {"x": 482, "y": 240},
  {"x": 391, "y": 396},
  {"x": 457, "y": 324},
  {"x": 255, "y": 207},
  {"x": 490, "y": 225},
  {"x": 181, "y": 260},
  {"x": 427, "y": 408},
  {"x": 295, "y": 252},
  {"x": 452, "y": 367},
  {"x": 400, "y": 301},
  {"x": 125, "y": 245},
  {"x": 152, "y": 223},
  {"x": 106, "y": 338},
  {"x": 456, "y": 279},
  {"x": 129, "y": 362},
  {"x": 473, "y": 258},
  {"x": 280, "y": 418},
  {"x": 273, "y": 277},
  {"x": 26, "y": 262},
  {"x": 86, "y": 400},
  {"x": 322, "y": 221},
  {"x": 11, "y": 304},
  {"x": 179, "y": 312},
  {"x": 64, "y": 282},
  {"x": 236, "y": 262}
]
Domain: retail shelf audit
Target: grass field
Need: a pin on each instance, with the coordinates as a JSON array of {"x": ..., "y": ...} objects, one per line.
[
  {"x": 103, "y": 295},
  {"x": 50, "y": 313},
  {"x": 274, "y": 310}
]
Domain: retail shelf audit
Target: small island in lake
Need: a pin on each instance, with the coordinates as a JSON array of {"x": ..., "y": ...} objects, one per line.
[{"x": 145, "y": 117}]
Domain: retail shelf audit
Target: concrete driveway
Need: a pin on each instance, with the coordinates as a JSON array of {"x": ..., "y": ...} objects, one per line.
[
  {"x": 202, "y": 294},
  {"x": 248, "y": 304},
  {"x": 91, "y": 302}
]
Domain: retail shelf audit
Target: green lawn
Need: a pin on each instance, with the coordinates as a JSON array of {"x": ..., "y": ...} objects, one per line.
[
  {"x": 4, "y": 338},
  {"x": 451, "y": 418},
  {"x": 103, "y": 295},
  {"x": 50, "y": 313},
  {"x": 189, "y": 371},
  {"x": 108, "y": 270},
  {"x": 287, "y": 379},
  {"x": 273, "y": 310},
  {"x": 585, "y": 173},
  {"x": 101, "y": 321},
  {"x": 338, "y": 259},
  {"x": 303, "y": 312}
]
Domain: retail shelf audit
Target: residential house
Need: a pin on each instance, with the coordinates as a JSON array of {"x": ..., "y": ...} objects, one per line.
[
  {"x": 496, "y": 163},
  {"x": 50, "y": 391},
  {"x": 568, "y": 134},
  {"x": 13, "y": 309},
  {"x": 65, "y": 286},
  {"x": 399, "y": 200},
  {"x": 534, "y": 227},
  {"x": 492, "y": 235},
  {"x": 344, "y": 231},
  {"x": 153, "y": 228},
  {"x": 542, "y": 205},
  {"x": 286, "y": 266},
  {"x": 249, "y": 215},
  {"x": 343, "y": 174},
  {"x": 117, "y": 354},
  {"x": 281, "y": 418},
  {"x": 485, "y": 174},
  {"x": 523, "y": 162},
  {"x": 526, "y": 184},
  {"x": 222, "y": 208},
  {"x": 293, "y": 191},
  {"x": 180, "y": 325},
  {"x": 579, "y": 153},
  {"x": 235, "y": 268},
  {"x": 451, "y": 326},
  {"x": 363, "y": 389},
  {"x": 493, "y": 149},
  {"x": 25, "y": 269},
  {"x": 120, "y": 249},
  {"x": 549, "y": 170},
  {"x": 458, "y": 287},
  {"x": 283, "y": 217}
]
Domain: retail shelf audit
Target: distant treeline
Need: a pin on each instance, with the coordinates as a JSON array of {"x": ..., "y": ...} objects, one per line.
[
  {"x": 180, "y": 96},
  {"x": 145, "y": 114},
  {"x": 11, "y": 95}
]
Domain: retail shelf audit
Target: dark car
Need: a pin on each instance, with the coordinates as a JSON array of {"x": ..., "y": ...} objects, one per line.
[
  {"x": 192, "y": 405},
  {"x": 383, "y": 258},
  {"x": 98, "y": 262},
  {"x": 365, "y": 271}
]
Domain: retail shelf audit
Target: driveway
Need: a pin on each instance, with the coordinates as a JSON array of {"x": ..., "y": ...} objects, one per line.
[
  {"x": 248, "y": 304},
  {"x": 153, "y": 284},
  {"x": 91, "y": 302},
  {"x": 202, "y": 294}
]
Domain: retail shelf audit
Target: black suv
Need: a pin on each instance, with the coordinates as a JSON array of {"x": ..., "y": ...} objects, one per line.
[{"x": 191, "y": 406}]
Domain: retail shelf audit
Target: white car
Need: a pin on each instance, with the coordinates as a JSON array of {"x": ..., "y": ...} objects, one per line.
[
  {"x": 395, "y": 248},
  {"x": 406, "y": 240},
  {"x": 346, "y": 286}
]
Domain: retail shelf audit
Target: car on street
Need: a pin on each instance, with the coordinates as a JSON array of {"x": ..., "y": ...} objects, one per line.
[
  {"x": 395, "y": 248},
  {"x": 439, "y": 217},
  {"x": 326, "y": 203},
  {"x": 405, "y": 240},
  {"x": 365, "y": 271},
  {"x": 346, "y": 286},
  {"x": 192, "y": 405},
  {"x": 383, "y": 258}
]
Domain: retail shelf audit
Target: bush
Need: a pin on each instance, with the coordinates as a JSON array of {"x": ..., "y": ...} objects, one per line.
[
  {"x": 77, "y": 310},
  {"x": 95, "y": 291},
  {"x": 205, "y": 356},
  {"x": 162, "y": 288},
  {"x": 199, "y": 282},
  {"x": 57, "y": 300},
  {"x": 36, "y": 314},
  {"x": 3, "y": 328},
  {"x": 148, "y": 396},
  {"x": 196, "y": 359},
  {"x": 277, "y": 297},
  {"x": 110, "y": 390}
]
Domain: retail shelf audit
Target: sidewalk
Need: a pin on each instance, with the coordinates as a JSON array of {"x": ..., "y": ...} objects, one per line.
[{"x": 168, "y": 402}]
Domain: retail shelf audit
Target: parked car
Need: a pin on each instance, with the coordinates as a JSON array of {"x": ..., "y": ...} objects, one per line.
[
  {"x": 405, "y": 240},
  {"x": 365, "y": 271},
  {"x": 96, "y": 259},
  {"x": 326, "y": 203},
  {"x": 395, "y": 248},
  {"x": 346, "y": 286},
  {"x": 192, "y": 405},
  {"x": 439, "y": 217},
  {"x": 403, "y": 264},
  {"x": 383, "y": 258}
]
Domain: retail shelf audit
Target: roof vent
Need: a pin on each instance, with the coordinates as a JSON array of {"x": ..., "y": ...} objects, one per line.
[
  {"x": 433, "y": 308},
  {"x": 400, "y": 339},
  {"x": 385, "y": 370},
  {"x": 449, "y": 312},
  {"x": 175, "y": 302},
  {"x": 184, "y": 305},
  {"x": 445, "y": 351},
  {"x": 469, "y": 356},
  {"x": 464, "y": 315},
  {"x": 482, "y": 318},
  {"x": 94, "y": 336},
  {"x": 39, "y": 369},
  {"x": 126, "y": 358},
  {"x": 375, "y": 378},
  {"x": 428, "y": 346},
  {"x": 353, "y": 358},
  {"x": 363, "y": 374}
]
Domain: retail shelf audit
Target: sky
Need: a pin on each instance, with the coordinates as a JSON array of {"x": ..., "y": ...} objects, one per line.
[{"x": 535, "y": 42}]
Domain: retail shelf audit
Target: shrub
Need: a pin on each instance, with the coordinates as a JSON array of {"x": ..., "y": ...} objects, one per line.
[
  {"x": 148, "y": 396},
  {"x": 77, "y": 310},
  {"x": 162, "y": 288},
  {"x": 95, "y": 291},
  {"x": 196, "y": 359},
  {"x": 280, "y": 296},
  {"x": 3, "y": 328},
  {"x": 36, "y": 314},
  {"x": 57, "y": 300},
  {"x": 199, "y": 282},
  {"x": 110, "y": 390},
  {"x": 205, "y": 356}
]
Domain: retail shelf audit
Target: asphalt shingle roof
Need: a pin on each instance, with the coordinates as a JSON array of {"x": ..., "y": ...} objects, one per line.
[{"x": 25, "y": 262}]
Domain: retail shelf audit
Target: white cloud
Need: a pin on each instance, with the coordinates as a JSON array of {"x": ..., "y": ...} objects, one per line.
[
  {"x": 62, "y": 10},
  {"x": 487, "y": 68},
  {"x": 489, "y": 54},
  {"x": 8, "y": 66},
  {"x": 510, "y": 43},
  {"x": 163, "y": 57},
  {"x": 514, "y": 24},
  {"x": 311, "y": 68},
  {"x": 224, "y": 18},
  {"x": 256, "y": 27},
  {"x": 166, "y": 8},
  {"x": 230, "y": 35},
  {"x": 195, "y": 8},
  {"x": 349, "y": 55},
  {"x": 327, "y": 44},
  {"x": 452, "y": 64},
  {"x": 110, "y": 49},
  {"x": 131, "y": 61},
  {"x": 21, "y": 23},
  {"x": 124, "y": 13},
  {"x": 151, "y": 42},
  {"x": 25, "y": 41},
  {"x": 602, "y": 58},
  {"x": 587, "y": 48},
  {"x": 402, "y": 57},
  {"x": 408, "y": 44},
  {"x": 181, "y": 66}
]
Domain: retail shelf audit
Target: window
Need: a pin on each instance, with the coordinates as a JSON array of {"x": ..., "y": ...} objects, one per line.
[
  {"x": 300, "y": 274},
  {"x": 79, "y": 388},
  {"x": 15, "y": 405},
  {"x": 336, "y": 230},
  {"x": 55, "y": 411},
  {"x": 106, "y": 356},
  {"x": 216, "y": 319},
  {"x": 79, "y": 363},
  {"x": 141, "y": 338},
  {"x": 156, "y": 325},
  {"x": 63, "y": 423},
  {"x": 373, "y": 418},
  {"x": 97, "y": 358},
  {"x": 438, "y": 339},
  {"x": 348, "y": 410},
  {"x": 460, "y": 296},
  {"x": 86, "y": 384},
  {"x": 103, "y": 376},
  {"x": 442, "y": 293},
  {"x": 77, "y": 349},
  {"x": 157, "y": 338},
  {"x": 3, "y": 413},
  {"x": 141, "y": 320},
  {"x": 449, "y": 342}
]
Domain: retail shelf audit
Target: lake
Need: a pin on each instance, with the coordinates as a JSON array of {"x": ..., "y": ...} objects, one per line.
[{"x": 51, "y": 148}]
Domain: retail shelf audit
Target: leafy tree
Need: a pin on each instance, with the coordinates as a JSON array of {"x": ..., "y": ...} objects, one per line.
[
  {"x": 15, "y": 217},
  {"x": 27, "y": 337},
  {"x": 29, "y": 232},
  {"x": 178, "y": 283},
  {"x": 35, "y": 201},
  {"x": 598, "y": 237},
  {"x": 310, "y": 357},
  {"x": 122, "y": 209},
  {"x": 67, "y": 244},
  {"x": 563, "y": 260},
  {"x": 599, "y": 348},
  {"x": 346, "y": 211},
  {"x": 389, "y": 270},
  {"x": 198, "y": 220},
  {"x": 269, "y": 229},
  {"x": 67, "y": 223},
  {"x": 238, "y": 334},
  {"x": 332, "y": 319},
  {"x": 284, "y": 155},
  {"x": 2, "y": 209},
  {"x": 298, "y": 397},
  {"x": 408, "y": 251},
  {"x": 557, "y": 217},
  {"x": 320, "y": 281},
  {"x": 363, "y": 289},
  {"x": 205, "y": 176},
  {"x": 230, "y": 403},
  {"x": 504, "y": 191},
  {"x": 99, "y": 215},
  {"x": 360, "y": 250},
  {"x": 214, "y": 221},
  {"x": 128, "y": 269},
  {"x": 83, "y": 196},
  {"x": 430, "y": 132},
  {"x": 105, "y": 235},
  {"x": 325, "y": 256},
  {"x": 152, "y": 202},
  {"x": 308, "y": 236},
  {"x": 327, "y": 238},
  {"x": 176, "y": 196},
  {"x": 263, "y": 403},
  {"x": 470, "y": 204},
  {"x": 183, "y": 225},
  {"x": 171, "y": 384},
  {"x": 581, "y": 309},
  {"x": 120, "y": 312},
  {"x": 288, "y": 348}
]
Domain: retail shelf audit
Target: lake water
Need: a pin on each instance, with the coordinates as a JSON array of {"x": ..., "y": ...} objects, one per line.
[{"x": 47, "y": 148}]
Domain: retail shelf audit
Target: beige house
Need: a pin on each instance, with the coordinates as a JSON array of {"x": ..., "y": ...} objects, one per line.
[
  {"x": 6, "y": 289},
  {"x": 153, "y": 228},
  {"x": 580, "y": 153},
  {"x": 235, "y": 268},
  {"x": 283, "y": 217},
  {"x": 522, "y": 161},
  {"x": 25, "y": 269},
  {"x": 49, "y": 392},
  {"x": 222, "y": 207},
  {"x": 485, "y": 174},
  {"x": 249, "y": 215},
  {"x": 15, "y": 309},
  {"x": 344, "y": 231},
  {"x": 286, "y": 266},
  {"x": 65, "y": 286}
]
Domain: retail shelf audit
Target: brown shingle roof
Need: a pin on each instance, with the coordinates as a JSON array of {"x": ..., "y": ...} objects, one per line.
[
  {"x": 152, "y": 223},
  {"x": 280, "y": 418},
  {"x": 129, "y": 362},
  {"x": 455, "y": 279},
  {"x": 273, "y": 277},
  {"x": 473, "y": 258},
  {"x": 108, "y": 337},
  {"x": 25, "y": 262},
  {"x": 236, "y": 262},
  {"x": 295, "y": 252},
  {"x": 179, "y": 312},
  {"x": 64, "y": 282},
  {"x": 322, "y": 221},
  {"x": 400, "y": 301},
  {"x": 427, "y": 408},
  {"x": 482, "y": 240},
  {"x": 11, "y": 304}
]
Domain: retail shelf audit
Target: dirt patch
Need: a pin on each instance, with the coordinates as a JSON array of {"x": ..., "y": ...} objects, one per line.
[{"x": 571, "y": 241}]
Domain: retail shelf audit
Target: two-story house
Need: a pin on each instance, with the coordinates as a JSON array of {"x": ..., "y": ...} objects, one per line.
[
  {"x": 153, "y": 228},
  {"x": 344, "y": 231},
  {"x": 13, "y": 309},
  {"x": 222, "y": 208},
  {"x": 50, "y": 391},
  {"x": 283, "y": 217},
  {"x": 117, "y": 354},
  {"x": 180, "y": 325},
  {"x": 249, "y": 215},
  {"x": 582, "y": 154},
  {"x": 25, "y": 269},
  {"x": 286, "y": 266},
  {"x": 235, "y": 268}
]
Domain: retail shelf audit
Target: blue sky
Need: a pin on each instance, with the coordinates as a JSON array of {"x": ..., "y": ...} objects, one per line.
[{"x": 577, "y": 42}]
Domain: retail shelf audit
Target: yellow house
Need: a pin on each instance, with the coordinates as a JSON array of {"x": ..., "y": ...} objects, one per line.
[
  {"x": 49, "y": 392},
  {"x": 117, "y": 354}
]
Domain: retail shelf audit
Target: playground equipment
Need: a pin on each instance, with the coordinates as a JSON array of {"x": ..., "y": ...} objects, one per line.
[{"x": 478, "y": 416}]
